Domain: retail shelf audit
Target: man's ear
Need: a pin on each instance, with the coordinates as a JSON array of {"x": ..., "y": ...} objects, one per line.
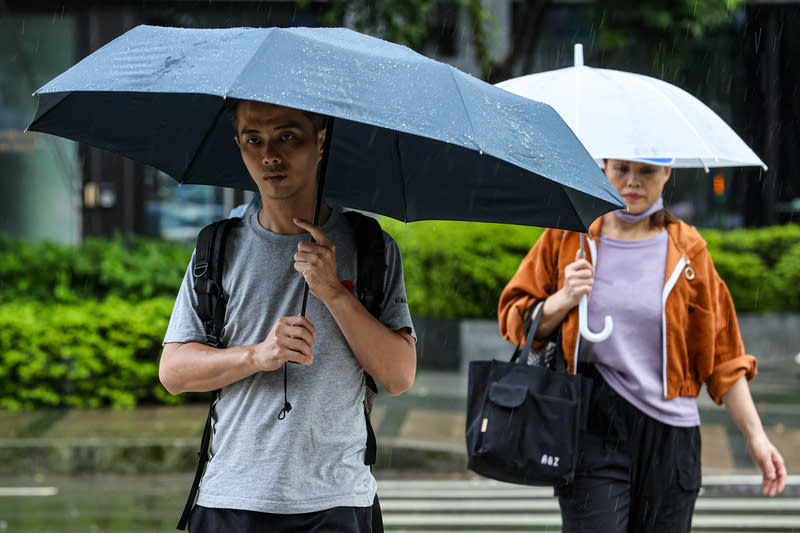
[
  {"x": 321, "y": 141},
  {"x": 668, "y": 172},
  {"x": 236, "y": 139}
]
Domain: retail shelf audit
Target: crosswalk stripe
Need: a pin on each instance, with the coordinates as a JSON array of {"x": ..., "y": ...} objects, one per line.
[
  {"x": 28, "y": 491},
  {"x": 551, "y": 504},
  {"x": 486, "y": 506}
]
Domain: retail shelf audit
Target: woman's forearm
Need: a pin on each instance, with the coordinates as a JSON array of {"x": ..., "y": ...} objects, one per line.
[
  {"x": 556, "y": 307},
  {"x": 740, "y": 405}
]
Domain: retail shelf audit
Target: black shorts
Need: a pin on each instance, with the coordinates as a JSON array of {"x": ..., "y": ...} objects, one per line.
[
  {"x": 634, "y": 474},
  {"x": 336, "y": 520}
]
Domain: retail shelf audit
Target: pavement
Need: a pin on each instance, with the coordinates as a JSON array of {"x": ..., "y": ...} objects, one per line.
[{"x": 420, "y": 433}]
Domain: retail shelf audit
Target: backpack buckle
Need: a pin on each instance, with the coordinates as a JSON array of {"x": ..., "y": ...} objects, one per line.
[{"x": 200, "y": 270}]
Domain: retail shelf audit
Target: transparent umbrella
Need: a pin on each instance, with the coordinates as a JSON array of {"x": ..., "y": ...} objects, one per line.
[{"x": 622, "y": 115}]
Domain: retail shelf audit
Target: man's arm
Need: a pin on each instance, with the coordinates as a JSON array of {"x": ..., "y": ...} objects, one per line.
[
  {"x": 390, "y": 357},
  {"x": 196, "y": 367}
]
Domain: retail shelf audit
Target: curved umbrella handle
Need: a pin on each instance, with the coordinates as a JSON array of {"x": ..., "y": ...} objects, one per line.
[
  {"x": 583, "y": 324},
  {"x": 583, "y": 320}
]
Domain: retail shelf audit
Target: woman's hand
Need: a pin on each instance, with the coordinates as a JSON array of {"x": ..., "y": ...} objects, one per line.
[
  {"x": 578, "y": 281},
  {"x": 740, "y": 405},
  {"x": 770, "y": 461}
]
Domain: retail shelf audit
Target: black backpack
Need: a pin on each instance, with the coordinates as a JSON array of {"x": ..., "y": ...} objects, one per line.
[{"x": 212, "y": 302}]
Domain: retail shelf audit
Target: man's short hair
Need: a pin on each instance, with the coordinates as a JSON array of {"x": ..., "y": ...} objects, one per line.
[{"x": 318, "y": 120}]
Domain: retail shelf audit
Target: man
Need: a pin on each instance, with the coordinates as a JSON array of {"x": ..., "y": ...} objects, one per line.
[{"x": 305, "y": 472}]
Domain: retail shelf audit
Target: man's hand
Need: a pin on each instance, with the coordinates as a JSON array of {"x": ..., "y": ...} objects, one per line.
[
  {"x": 290, "y": 339},
  {"x": 197, "y": 367},
  {"x": 316, "y": 262}
]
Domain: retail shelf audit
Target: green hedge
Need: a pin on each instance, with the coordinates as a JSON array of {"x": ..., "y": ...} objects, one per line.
[
  {"x": 760, "y": 266},
  {"x": 452, "y": 269},
  {"x": 141, "y": 268},
  {"x": 86, "y": 354},
  {"x": 458, "y": 269},
  {"x": 82, "y": 326}
]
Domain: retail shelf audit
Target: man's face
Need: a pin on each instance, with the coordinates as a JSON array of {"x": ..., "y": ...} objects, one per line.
[{"x": 279, "y": 149}]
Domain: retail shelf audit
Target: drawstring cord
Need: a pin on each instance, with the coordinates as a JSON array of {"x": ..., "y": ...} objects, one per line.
[{"x": 286, "y": 405}]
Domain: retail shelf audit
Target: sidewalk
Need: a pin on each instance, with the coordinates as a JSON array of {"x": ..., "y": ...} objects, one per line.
[{"x": 419, "y": 433}]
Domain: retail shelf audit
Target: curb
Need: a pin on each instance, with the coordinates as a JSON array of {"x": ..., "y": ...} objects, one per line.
[{"x": 33, "y": 457}]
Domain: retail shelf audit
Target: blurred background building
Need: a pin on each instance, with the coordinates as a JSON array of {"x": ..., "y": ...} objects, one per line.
[{"x": 744, "y": 66}]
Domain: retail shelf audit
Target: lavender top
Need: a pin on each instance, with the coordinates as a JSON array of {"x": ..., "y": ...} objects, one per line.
[{"x": 628, "y": 285}]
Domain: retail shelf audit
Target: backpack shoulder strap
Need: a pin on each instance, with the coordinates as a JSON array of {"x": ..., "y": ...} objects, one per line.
[
  {"x": 371, "y": 262},
  {"x": 371, "y": 271},
  {"x": 209, "y": 260}
]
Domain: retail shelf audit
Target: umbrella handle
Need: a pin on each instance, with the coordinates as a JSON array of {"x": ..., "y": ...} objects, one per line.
[
  {"x": 583, "y": 320},
  {"x": 322, "y": 170},
  {"x": 583, "y": 323}
]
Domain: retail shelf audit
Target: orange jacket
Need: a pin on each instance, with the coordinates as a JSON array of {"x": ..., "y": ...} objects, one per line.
[{"x": 701, "y": 336}]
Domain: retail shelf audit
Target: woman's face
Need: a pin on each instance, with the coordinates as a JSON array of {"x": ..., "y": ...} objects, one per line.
[{"x": 639, "y": 184}]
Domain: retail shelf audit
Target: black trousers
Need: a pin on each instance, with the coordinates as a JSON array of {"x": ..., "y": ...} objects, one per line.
[
  {"x": 336, "y": 520},
  {"x": 635, "y": 474}
]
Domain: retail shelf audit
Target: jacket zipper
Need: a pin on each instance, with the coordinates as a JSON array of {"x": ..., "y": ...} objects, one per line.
[{"x": 671, "y": 282}]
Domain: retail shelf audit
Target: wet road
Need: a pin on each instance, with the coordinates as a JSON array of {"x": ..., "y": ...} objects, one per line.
[{"x": 122, "y": 504}]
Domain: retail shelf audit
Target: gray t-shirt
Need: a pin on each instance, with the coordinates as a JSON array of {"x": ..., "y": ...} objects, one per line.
[{"x": 314, "y": 458}]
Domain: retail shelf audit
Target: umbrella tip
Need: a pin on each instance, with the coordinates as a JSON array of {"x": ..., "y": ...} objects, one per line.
[{"x": 578, "y": 55}]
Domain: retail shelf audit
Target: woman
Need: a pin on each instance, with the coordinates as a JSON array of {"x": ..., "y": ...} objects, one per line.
[{"x": 675, "y": 330}]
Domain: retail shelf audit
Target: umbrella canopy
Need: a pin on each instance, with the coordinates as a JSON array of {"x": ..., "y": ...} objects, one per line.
[
  {"x": 414, "y": 139},
  {"x": 620, "y": 115}
]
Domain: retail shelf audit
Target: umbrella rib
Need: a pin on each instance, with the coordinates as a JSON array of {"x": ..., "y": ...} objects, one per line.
[
  {"x": 224, "y": 97},
  {"x": 471, "y": 134},
  {"x": 396, "y": 135},
  {"x": 202, "y": 142},
  {"x": 571, "y": 205},
  {"x": 680, "y": 114}
]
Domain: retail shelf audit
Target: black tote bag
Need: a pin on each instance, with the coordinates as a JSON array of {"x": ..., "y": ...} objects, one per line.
[{"x": 523, "y": 420}]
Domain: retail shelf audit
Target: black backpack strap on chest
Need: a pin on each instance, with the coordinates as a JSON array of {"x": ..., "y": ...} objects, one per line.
[
  {"x": 208, "y": 262},
  {"x": 371, "y": 251},
  {"x": 371, "y": 272},
  {"x": 209, "y": 257}
]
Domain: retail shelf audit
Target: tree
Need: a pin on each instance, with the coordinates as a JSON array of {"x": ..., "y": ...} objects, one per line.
[
  {"x": 662, "y": 34},
  {"x": 656, "y": 29}
]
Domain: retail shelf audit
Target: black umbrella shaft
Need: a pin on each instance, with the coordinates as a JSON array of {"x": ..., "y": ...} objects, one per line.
[{"x": 322, "y": 170}]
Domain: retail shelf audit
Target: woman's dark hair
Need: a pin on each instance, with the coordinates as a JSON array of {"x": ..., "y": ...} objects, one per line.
[
  {"x": 318, "y": 121},
  {"x": 661, "y": 218}
]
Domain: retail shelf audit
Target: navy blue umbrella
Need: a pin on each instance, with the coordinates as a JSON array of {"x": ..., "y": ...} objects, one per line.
[{"x": 414, "y": 139}]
